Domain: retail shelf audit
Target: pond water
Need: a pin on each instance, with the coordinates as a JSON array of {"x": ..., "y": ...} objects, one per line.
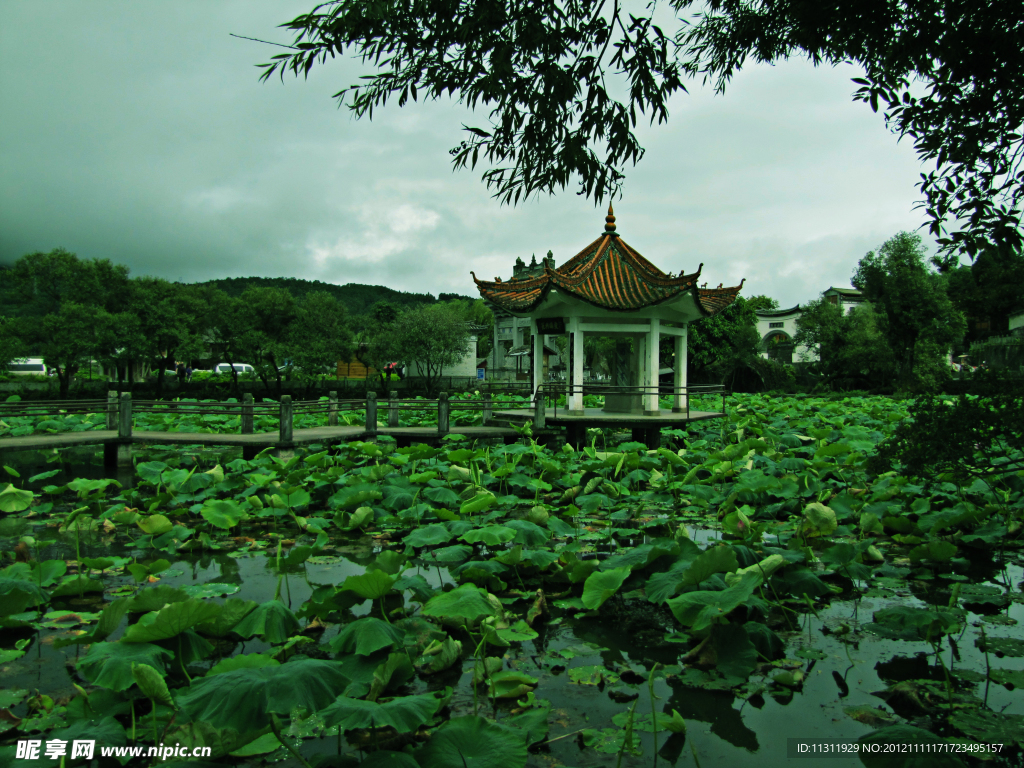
[{"x": 590, "y": 665}]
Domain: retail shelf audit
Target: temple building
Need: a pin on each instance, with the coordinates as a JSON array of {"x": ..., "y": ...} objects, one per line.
[{"x": 609, "y": 290}]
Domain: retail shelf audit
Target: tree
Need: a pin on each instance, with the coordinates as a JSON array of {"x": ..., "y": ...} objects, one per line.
[
  {"x": 951, "y": 73},
  {"x": 66, "y": 338},
  {"x": 11, "y": 345},
  {"x": 425, "y": 339},
  {"x": 977, "y": 430},
  {"x": 265, "y": 316},
  {"x": 717, "y": 341},
  {"x": 987, "y": 291},
  {"x": 761, "y": 303},
  {"x": 917, "y": 315},
  {"x": 851, "y": 350},
  {"x": 319, "y": 335}
]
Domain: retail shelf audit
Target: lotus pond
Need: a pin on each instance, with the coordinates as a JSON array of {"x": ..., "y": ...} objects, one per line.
[{"x": 514, "y": 605}]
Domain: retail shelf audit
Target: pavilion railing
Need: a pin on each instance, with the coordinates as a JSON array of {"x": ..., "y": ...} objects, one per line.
[{"x": 552, "y": 393}]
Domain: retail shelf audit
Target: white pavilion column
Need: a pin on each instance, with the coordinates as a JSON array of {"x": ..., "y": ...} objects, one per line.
[
  {"x": 653, "y": 365},
  {"x": 538, "y": 356},
  {"x": 575, "y": 400},
  {"x": 679, "y": 380}
]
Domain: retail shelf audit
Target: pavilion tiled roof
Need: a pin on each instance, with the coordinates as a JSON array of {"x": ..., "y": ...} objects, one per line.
[{"x": 609, "y": 274}]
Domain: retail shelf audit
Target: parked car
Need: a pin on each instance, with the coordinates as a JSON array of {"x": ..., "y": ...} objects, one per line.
[
  {"x": 27, "y": 366},
  {"x": 239, "y": 367}
]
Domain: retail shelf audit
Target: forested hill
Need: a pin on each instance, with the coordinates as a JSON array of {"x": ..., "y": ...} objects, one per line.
[{"x": 356, "y": 297}]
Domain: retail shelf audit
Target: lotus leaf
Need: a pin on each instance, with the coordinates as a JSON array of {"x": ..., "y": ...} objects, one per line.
[
  {"x": 477, "y": 504},
  {"x": 223, "y": 513},
  {"x": 370, "y": 585},
  {"x": 366, "y": 636},
  {"x": 473, "y": 742},
  {"x": 439, "y": 656},
  {"x": 245, "y": 698},
  {"x": 428, "y": 536},
  {"x": 396, "y": 670},
  {"x": 155, "y": 524},
  {"x": 243, "y": 661},
  {"x": 910, "y": 623},
  {"x": 110, "y": 664},
  {"x": 14, "y": 499},
  {"x": 271, "y": 620},
  {"x": 152, "y": 684},
  {"x": 491, "y": 535},
  {"x": 170, "y": 621},
  {"x": 699, "y": 610},
  {"x": 231, "y": 612},
  {"x": 601, "y": 585},
  {"x": 718, "y": 559},
  {"x": 819, "y": 520},
  {"x": 466, "y": 604},
  {"x": 405, "y": 714}
]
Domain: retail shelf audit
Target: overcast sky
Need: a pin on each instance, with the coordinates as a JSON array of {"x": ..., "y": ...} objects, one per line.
[{"x": 140, "y": 132}]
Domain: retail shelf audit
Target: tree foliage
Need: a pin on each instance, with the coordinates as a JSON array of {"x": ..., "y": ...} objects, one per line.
[
  {"x": 726, "y": 342},
  {"x": 988, "y": 290},
  {"x": 850, "y": 350},
  {"x": 918, "y": 319},
  {"x": 950, "y": 72},
  {"x": 978, "y": 431}
]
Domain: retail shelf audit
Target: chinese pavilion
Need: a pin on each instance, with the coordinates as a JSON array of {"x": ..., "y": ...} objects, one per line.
[{"x": 608, "y": 289}]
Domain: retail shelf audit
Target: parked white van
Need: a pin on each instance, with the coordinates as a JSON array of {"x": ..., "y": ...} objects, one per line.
[
  {"x": 27, "y": 366},
  {"x": 239, "y": 367}
]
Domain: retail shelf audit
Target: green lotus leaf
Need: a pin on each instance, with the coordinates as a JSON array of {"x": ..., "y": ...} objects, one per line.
[
  {"x": 152, "y": 684},
  {"x": 155, "y": 598},
  {"x": 271, "y": 620},
  {"x": 243, "y": 661},
  {"x": 905, "y": 622},
  {"x": 370, "y": 585},
  {"x": 819, "y": 520},
  {"x": 428, "y": 536},
  {"x": 17, "y": 594},
  {"x": 245, "y": 698},
  {"x": 439, "y": 656},
  {"x": 718, "y": 559},
  {"x": 600, "y": 585},
  {"x": 110, "y": 664},
  {"x": 232, "y": 611},
  {"x": 223, "y": 513},
  {"x": 405, "y": 714},
  {"x": 477, "y": 504},
  {"x": 14, "y": 499},
  {"x": 699, "y": 610},
  {"x": 155, "y": 524},
  {"x": 467, "y": 602},
  {"x": 490, "y": 535},
  {"x": 473, "y": 742},
  {"x": 169, "y": 621},
  {"x": 367, "y": 635}
]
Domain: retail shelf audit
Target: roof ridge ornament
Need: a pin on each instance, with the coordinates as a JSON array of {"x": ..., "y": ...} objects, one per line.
[{"x": 609, "y": 225}]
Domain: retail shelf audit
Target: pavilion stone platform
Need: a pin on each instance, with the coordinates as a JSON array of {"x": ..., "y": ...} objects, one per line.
[{"x": 609, "y": 290}]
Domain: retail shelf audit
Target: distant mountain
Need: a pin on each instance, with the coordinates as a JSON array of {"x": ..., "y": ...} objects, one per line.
[{"x": 356, "y": 297}]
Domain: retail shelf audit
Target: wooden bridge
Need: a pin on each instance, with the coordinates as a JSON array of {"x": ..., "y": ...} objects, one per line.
[
  {"x": 499, "y": 421},
  {"x": 119, "y": 436}
]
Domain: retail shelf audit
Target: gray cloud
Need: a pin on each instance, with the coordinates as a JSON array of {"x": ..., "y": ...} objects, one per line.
[{"x": 140, "y": 132}]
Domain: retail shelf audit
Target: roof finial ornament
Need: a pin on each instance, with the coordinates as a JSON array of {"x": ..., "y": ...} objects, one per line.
[{"x": 609, "y": 226}]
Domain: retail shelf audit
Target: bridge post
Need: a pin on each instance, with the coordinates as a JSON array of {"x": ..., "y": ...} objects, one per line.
[
  {"x": 442, "y": 414},
  {"x": 332, "y": 409},
  {"x": 487, "y": 413},
  {"x": 393, "y": 409},
  {"x": 247, "y": 410},
  {"x": 371, "y": 414},
  {"x": 285, "y": 425},
  {"x": 124, "y": 430},
  {"x": 112, "y": 409},
  {"x": 538, "y": 410}
]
